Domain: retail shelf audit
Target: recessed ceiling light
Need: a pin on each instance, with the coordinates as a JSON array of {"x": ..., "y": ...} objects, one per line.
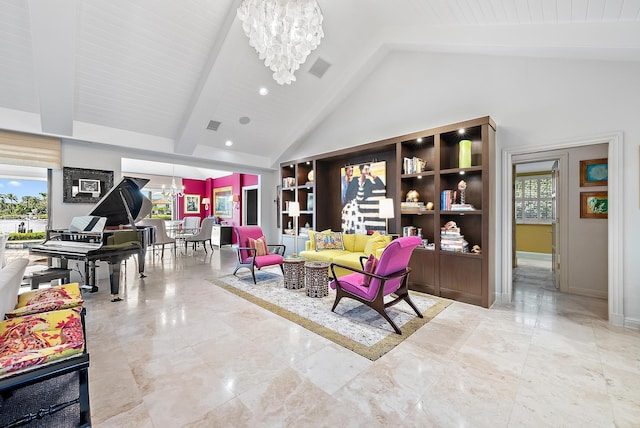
[
  {"x": 419, "y": 139},
  {"x": 461, "y": 131},
  {"x": 263, "y": 91},
  {"x": 228, "y": 143}
]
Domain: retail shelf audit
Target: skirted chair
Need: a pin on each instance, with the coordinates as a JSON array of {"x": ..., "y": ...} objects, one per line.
[
  {"x": 254, "y": 252},
  {"x": 161, "y": 234},
  {"x": 203, "y": 235},
  {"x": 379, "y": 278}
]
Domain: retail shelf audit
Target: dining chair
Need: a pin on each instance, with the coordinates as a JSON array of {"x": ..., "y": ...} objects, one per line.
[
  {"x": 162, "y": 237},
  {"x": 385, "y": 276},
  {"x": 191, "y": 224},
  {"x": 202, "y": 235}
]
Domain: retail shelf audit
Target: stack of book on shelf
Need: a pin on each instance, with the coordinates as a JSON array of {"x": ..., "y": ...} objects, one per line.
[
  {"x": 462, "y": 207},
  {"x": 413, "y": 165},
  {"x": 451, "y": 240},
  {"x": 447, "y": 198},
  {"x": 411, "y": 231},
  {"x": 412, "y": 206}
]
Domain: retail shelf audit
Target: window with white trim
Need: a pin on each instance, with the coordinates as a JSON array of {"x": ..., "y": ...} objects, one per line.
[{"x": 534, "y": 199}]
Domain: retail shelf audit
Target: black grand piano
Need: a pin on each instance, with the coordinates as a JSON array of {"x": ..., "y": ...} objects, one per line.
[{"x": 109, "y": 234}]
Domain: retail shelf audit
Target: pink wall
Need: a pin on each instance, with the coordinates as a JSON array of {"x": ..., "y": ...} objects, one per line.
[
  {"x": 249, "y": 180},
  {"x": 232, "y": 180},
  {"x": 192, "y": 187},
  {"x": 205, "y": 189}
]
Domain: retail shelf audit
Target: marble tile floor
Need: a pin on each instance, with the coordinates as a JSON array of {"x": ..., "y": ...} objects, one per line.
[{"x": 181, "y": 352}]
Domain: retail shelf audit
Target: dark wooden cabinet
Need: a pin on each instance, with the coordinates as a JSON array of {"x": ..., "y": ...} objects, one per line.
[{"x": 425, "y": 163}]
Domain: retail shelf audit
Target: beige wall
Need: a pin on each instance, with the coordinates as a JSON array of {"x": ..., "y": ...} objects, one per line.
[{"x": 587, "y": 248}]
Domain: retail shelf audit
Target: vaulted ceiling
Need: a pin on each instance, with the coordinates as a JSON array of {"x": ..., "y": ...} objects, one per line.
[{"x": 152, "y": 74}]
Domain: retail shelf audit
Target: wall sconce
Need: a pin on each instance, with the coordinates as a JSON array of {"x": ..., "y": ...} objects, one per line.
[
  {"x": 236, "y": 201},
  {"x": 206, "y": 202}
]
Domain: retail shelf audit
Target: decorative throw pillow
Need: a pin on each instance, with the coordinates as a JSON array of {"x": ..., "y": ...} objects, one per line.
[
  {"x": 260, "y": 245},
  {"x": 38, "y": 339},
  {"x": 375, "y": 242},
  {"x": 369, "y": 267},
  {"x": 45, "y": 306},
  {"x": 47, "y": 299},
  {"x": 329, "y": 241}
]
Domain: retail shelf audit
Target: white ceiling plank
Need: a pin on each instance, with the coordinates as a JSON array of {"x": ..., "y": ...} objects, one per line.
[
  {"x": 478, "y": 13},
  {"x": 498, "y": 10},
  {"x": 511, "y": 12},
  {"x": 549, "y": 11},
  {"x": 564, "y": 11},
  {"x": 579, "y": 10},
  {"x": 536, "y": 12},
  {"x": 630, "y": 11},
  {"x": 53, "y": 32},
  {"x": 465, "y": 13},
  {"x": 523, "y": 12},
  {"x": 612, "y": 10},
  {"x": 154, "y": 72},
  {"x": 595, "y": 10}
]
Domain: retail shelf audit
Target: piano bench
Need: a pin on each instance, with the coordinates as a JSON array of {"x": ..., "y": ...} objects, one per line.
[{"x": 49, "y": 275}]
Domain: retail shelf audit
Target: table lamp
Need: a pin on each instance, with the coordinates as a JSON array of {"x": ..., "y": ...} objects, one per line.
[
  {"x": 294, "y": 211},
  {"x": 386, "y": 212}
]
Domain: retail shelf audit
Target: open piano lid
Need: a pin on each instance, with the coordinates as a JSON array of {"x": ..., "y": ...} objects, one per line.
[{"x": 124, "y": 203}]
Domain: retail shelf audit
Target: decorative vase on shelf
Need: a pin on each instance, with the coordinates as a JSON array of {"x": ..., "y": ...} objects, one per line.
[{"x": 464, "y": 157}]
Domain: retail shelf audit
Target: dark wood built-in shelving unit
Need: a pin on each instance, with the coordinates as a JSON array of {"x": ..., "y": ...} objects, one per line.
[{"x": 466, "y": 277}]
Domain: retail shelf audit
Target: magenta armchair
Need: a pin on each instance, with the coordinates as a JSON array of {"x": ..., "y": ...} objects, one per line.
[
  {"x": 247, "y": 257},
  {"x": 390, "y": 276}
]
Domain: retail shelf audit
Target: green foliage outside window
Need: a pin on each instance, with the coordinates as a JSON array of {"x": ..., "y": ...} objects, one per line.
[{"x": 534, "y": 199}]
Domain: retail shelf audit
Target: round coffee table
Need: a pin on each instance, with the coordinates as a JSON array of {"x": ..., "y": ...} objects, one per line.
[
  {"x": 293, "y": 273},
  {"x": 317, "y": 278}
]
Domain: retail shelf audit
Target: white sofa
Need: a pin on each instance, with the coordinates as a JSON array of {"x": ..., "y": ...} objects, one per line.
[
  {"x": 4, "y": 237},
  {"x": 10, "y": 280}
]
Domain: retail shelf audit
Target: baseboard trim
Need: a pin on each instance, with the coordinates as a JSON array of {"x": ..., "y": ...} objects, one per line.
[
  {"x": 537, "y": 256},
  {"x": 633, "y": 323},
  {"x": 588, "y": 293}
]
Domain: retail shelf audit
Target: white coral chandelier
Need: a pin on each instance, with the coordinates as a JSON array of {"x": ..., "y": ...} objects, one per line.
[{"x": 283, "y": 32}]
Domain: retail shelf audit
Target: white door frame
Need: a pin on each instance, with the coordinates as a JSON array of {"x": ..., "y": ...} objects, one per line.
[
  {"x": 615, "y": 217},
  {"x": 562, "y": 205}
]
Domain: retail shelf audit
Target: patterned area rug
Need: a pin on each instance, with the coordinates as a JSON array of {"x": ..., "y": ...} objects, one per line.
[{"x": 353, "y": 325}]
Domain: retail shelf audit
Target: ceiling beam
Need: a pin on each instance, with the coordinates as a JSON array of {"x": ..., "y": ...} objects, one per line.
[
  {"x": 205, "y": 98},
  {"x": 53, "y": 33}
]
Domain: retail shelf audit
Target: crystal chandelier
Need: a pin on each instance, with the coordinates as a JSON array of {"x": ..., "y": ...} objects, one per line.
[
  {"x": 173, "y": 192},
  {"x": 283, "y": 32}
]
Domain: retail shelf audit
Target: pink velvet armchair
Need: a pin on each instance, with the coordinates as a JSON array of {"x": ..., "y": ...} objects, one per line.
[
  {"x": 248, "y": 256},
  {"x": 389, "y": 276}
]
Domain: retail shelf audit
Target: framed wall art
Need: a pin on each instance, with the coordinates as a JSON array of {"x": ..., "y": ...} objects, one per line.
[
  {"x": 594, "y": 204},
  {"x": 85, "y": 186},
  {"x": 594, "y": 172},
  {"x": 223, "y": 202},
  {"x": 362, "y": 186},
  {"x": 192, "y": 204}
]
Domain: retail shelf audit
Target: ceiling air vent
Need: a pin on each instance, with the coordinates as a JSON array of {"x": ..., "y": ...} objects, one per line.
[
  {"x": 213, "y": 125},
  {"x": 319, "y": 68}
]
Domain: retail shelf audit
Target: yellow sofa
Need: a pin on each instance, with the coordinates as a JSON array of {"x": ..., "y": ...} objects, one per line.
[{"x": 355, "y": 245}]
